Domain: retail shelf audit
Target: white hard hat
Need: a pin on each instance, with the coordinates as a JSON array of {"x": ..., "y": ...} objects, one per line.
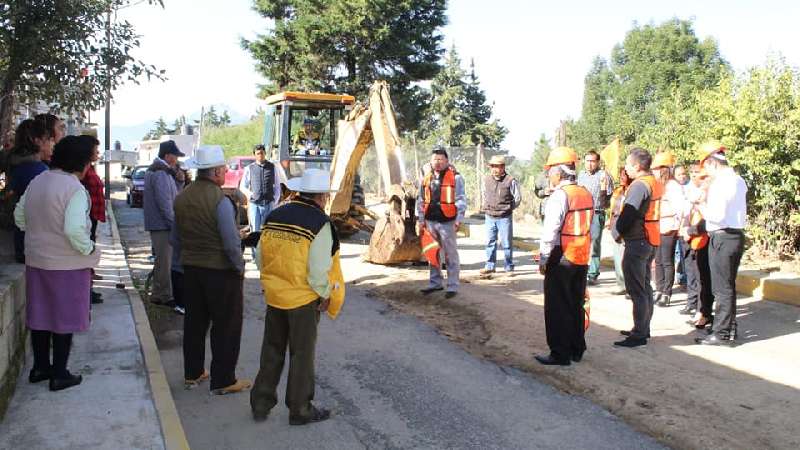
[{"x": 313, "y": 181}]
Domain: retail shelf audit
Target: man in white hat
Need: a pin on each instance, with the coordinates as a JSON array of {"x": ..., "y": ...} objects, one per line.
[
  {"x": 301, "y": 276},
  {"x": 208, "y": 240},
  {"x": 501, "y": 197}
]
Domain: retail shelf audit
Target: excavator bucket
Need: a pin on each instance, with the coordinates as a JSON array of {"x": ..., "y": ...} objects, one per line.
[{"x": 394, "y": 238}]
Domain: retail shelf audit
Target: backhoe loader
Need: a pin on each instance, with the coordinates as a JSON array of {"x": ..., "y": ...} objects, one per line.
[{"x": 332, "y": 132}]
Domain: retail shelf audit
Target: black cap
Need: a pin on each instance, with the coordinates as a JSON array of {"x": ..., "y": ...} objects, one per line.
[{"x": 169, "y": 148}]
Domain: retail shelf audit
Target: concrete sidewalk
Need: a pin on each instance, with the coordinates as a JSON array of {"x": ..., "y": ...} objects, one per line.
[{"x": 121, "y": 402}]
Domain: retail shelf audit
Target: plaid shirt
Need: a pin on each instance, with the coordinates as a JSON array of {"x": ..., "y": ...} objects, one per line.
[{"x": 94, "y": 185}]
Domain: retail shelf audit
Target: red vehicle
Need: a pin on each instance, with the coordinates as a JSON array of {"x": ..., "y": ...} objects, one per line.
[{"x": 236, "y": 167}]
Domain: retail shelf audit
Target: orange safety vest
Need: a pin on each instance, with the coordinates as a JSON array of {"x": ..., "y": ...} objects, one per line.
[
  {"x": 447, "y": 197},
  {"x": 430, "y": 248},
  {"x": 652, "y": 218},
  {"x": 576, "y": 239},
  {"x": 701, "y": 240}
]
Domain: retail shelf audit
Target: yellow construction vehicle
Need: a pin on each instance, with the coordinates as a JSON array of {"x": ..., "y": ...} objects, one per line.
[{"x": 332, "y": 132}]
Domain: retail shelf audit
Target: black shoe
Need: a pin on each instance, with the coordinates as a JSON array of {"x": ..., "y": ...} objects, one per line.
[
  {"x": 450, "y": 294},
  {"x": 428, "y": 290},
  {"x": 663, "y": 300},
  {"x": 550, "y": 360},
  {"x": 317, "y": 415},
  {"x": 591, "y": 281},
  {"x": 631, "y": 342},
  {"x": 57, "y": 384},
  {"x": 686, "y": 311},
  {"x": 577, "y": 358},
  {"x": 260, "y": 416},
  {"x": 713, "y": 339},
  {"x": 97, "y": 298},
  {"x": 628, "y": 333},
  {"x": 37, "y": 375}
]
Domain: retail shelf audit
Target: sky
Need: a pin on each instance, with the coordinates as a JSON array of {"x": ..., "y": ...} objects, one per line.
[{"x": 530, "y": 56}]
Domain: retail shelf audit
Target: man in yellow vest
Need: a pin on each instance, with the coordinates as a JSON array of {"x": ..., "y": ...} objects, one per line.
[
  {"x": 301, "y": 276},
  {"x": 564, "y": 259},
  {"x": 638, "y": 225},
  {"x": 207, "y": 238}
]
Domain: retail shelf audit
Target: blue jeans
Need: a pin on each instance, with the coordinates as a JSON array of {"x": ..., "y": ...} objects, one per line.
[
  {"x": 598, "y": 223},
  {"x": 257, "y": 214},
  {"x": 504, "y": 228}
]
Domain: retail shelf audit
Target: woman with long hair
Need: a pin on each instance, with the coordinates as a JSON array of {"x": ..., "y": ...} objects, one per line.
[
  {"x": 672, "y": 207},
  {"x": 59, "y": 257}
]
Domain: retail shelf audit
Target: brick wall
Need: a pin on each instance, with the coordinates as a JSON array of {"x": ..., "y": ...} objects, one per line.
[{"x": 13, "y": 334}]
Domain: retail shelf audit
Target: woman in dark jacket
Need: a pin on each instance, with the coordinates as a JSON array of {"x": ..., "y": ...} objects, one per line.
[{"x": 33, "y": 144}]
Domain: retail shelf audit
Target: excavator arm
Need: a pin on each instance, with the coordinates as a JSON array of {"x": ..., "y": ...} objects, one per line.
[{"x": 394, "y": 238}]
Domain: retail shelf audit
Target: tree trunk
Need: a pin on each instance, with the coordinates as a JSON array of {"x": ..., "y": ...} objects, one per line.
[{"x": 7, "y": 107}]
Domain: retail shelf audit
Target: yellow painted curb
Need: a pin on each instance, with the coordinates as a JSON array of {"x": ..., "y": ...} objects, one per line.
[{"x": 171, "y": 427}]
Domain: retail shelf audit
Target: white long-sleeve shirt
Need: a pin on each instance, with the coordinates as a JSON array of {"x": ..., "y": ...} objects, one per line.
[
  {"x": 244, "y": 184},
  {"x": 673, "y": 205},
  {"x": 726, "y": 202}
]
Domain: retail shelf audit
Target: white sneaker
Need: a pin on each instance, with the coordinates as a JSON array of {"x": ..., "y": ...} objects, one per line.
[{"x": 180, "y": 310}]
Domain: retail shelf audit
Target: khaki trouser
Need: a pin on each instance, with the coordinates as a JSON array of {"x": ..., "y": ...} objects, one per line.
[
  {"x": 297, "y": 329},
  {"x": 162, "y": 277}
]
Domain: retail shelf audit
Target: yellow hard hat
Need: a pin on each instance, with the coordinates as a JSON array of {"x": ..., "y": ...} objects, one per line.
[
  {"x": 708, "y": 148},
  {"x": 663, "y": 159},
  {"x": 561, "y": 155}
]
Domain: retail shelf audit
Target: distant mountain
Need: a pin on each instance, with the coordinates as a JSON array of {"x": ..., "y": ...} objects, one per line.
[{"x": 129, "y": 135}]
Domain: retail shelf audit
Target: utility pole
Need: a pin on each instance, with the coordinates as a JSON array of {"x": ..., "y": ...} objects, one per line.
[
  {"x": 108, "y": 107},
  {"x": 416, "y": 157}
]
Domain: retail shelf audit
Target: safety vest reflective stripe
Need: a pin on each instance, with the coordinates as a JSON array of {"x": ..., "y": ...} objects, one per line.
[
  {"x": 652, "y": 217},
  {"x": 576, "y": 229},
  {"x": 447, "y": 195}
]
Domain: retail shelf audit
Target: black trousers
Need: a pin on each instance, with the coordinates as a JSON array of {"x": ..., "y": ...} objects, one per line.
[
  {"x": 665, "y": 263},
  {"x": 40, "y": 343},
  {"x": 213, "y": 297},
  {"x": 93, "y": 231},
  {"x": 178, "y": 290},
  {"x": 297, "y": 329},
  {"x": 698, "y": 280},
  {"x": 725, "y": 253},
  {"x": 19, "y": 245},
  {"x": 564, "y": 289},
  {"x": 636, "y": 262}
]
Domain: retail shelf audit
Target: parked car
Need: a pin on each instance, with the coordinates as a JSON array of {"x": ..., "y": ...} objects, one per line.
[
  {"x": 134, "y": 185},
  {"x": 236, "y": 167}
]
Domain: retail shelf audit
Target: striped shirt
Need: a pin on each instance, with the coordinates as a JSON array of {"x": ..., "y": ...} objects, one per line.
[{"x": 593, "y": 182}]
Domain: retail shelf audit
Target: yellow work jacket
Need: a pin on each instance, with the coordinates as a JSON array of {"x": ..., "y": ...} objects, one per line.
[{"x": 285, "y": 243}]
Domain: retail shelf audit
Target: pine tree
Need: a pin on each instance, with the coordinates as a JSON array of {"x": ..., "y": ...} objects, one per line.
[
  {"x": 345, "y": 45},
  {"x": 458, "y": 114}
]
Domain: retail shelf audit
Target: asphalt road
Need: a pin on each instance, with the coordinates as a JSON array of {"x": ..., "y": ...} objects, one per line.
[{"x": 391, "y": 381}]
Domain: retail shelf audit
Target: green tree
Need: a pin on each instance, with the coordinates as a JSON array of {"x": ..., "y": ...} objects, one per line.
[
  {"x": 160, "y": 128},
  {"x": 756, "y": 114},
  {"x": 652, "y": 64},
  {"x": 458, "y": 114},
  {"x": 345, "y": 45},
  {"x": 65, "y": 53},
  {"x": 237, "y": 139},
  {"x": 590, "y": 131}
]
